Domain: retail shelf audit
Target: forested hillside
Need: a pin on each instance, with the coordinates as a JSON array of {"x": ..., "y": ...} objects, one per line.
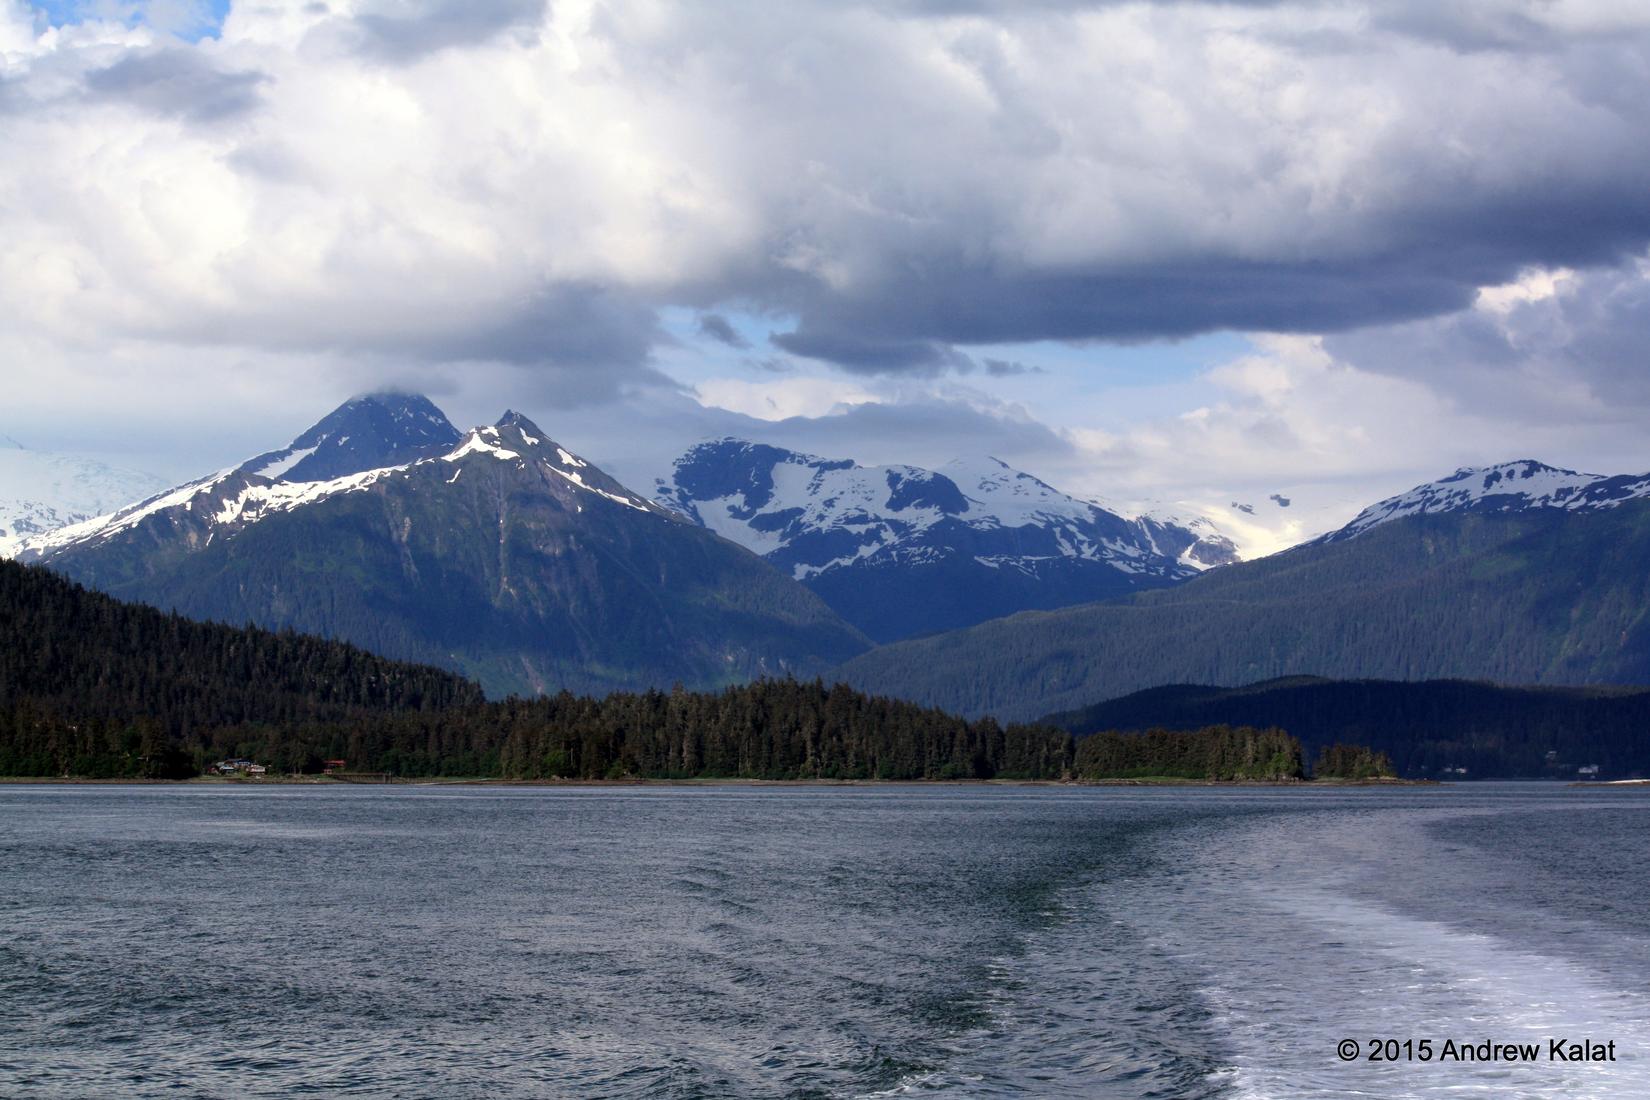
[
  {"x": 1426, "y": 727},
  {"x": 1540, "y": 598},
  {"x": 65, "y": 644},
  {"x": 93, "y": 687}
]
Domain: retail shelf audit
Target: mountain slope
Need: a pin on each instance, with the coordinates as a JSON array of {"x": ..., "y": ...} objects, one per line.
[
  {"x": 901, "y": 551},
  {"x": 41, "y": 491},
  {"x": 1542, "y": 596},
  {"x": 506, "y": 557},
  {"x": 1429, "y": 728},
  {"x": 93, "y": 686}
]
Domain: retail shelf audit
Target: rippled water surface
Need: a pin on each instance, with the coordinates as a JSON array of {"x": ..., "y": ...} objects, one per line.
[{"x": 790, "y": 941}]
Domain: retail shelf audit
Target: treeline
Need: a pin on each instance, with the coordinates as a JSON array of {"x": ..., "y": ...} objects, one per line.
[
  {"x": 1352, "y": 762},
  {"x": 1217, "y": 752},
  {"x": 772, "y": 729},
  {"x": 93, "y": 687}
]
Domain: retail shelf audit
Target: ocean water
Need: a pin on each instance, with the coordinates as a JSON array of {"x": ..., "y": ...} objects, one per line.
[{"x": 817, "y": 942}]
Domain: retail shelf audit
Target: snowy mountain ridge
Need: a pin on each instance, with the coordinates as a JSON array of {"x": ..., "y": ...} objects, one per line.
[
  {"x": 232, "y": 499},
  {"x": 1519, "y": 486},
  {"x": 900, "y": 550},
  {"x": 769, "y": 499}
]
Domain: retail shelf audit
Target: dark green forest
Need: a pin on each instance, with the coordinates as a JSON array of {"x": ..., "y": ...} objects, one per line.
[
  {"x": 1340, "y": 761},
  {"x": 1533, "y": 598},
  {"x": 1426, "y": 728},
  {"x": 1216, "y": 752},
  {"x": 93, "y": 687}
]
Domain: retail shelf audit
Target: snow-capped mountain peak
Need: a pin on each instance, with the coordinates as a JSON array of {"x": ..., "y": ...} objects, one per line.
[
  {"x": 517, "y": 439},
  {"x": 1520, "y": 486},
  {"x": 929, "y": 548},
  {"x": 369, "y": 432},
  {"x": 398, "y": 426}
]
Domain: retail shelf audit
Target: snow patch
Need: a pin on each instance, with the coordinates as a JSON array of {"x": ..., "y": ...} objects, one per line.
[
  {"x": 475, "y": 444},
  {"x": 276, "y": 467},
  {"x": 628, "y": 502}
]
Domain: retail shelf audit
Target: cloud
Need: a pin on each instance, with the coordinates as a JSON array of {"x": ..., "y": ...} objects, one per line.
[
  {"x": 782, "y": 399},
  {"x": 719, "y": 328},
  {"x": 1008, "y": 368},
  {"x": 401, "y": 32},
  {"x": 1567, "y": 344},
  {"x": 863, "y": 356},
  {"x": 892, "y": 184},
  {"x": 178, "y": 82}
]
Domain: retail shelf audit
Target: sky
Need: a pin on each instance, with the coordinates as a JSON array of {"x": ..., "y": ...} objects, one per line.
[{"x": 1179, "y": 255}]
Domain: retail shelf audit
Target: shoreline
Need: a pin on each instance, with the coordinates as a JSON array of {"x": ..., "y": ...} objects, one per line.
[{"x": 484, "y": 781}]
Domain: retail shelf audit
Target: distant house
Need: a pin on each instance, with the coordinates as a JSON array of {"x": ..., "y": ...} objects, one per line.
[
  {"x": 237, "y": 766},
  {"x": 256, "y": 769},
  {"x": 330, "y": 766},
  {"x": 1588, "y": 771}
]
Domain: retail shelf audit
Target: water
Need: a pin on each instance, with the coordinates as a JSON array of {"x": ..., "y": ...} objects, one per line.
[{"x": 815, "y": 942}]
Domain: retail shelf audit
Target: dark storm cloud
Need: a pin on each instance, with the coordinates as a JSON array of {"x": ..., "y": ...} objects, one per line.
[
  {"x": 567, "y": 325},
  {"x": 1593, "y": 331},
  {"x": 178, "y": 82},
  {"x": 720, "y": 329},
  {"x": 400, "y": 33},
  {"x": 873, "y": 356},
  {"x": 1431, "y": 261},
  {"x": 576, "y": 344},
  {"x": 879, "y": 334},
  {"x": 1008, "y": 368},
  {"x": 1480, "y": 160}
]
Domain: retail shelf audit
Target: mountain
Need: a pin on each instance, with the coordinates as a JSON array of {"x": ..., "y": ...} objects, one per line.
[
  {"x": 1536, "y": 595},
  {"x": 364, "y": 433},
  {"x": 1433, "y": 728},
  {"x": 497, "y": 553},
  {"x": 1522, "y": 486},
  {"x": 901, "y": 551},
  {"x": 41, "y": 491}
]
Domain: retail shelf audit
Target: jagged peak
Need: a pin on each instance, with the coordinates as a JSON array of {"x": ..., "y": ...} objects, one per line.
[{"x": 516, "y": 439}]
